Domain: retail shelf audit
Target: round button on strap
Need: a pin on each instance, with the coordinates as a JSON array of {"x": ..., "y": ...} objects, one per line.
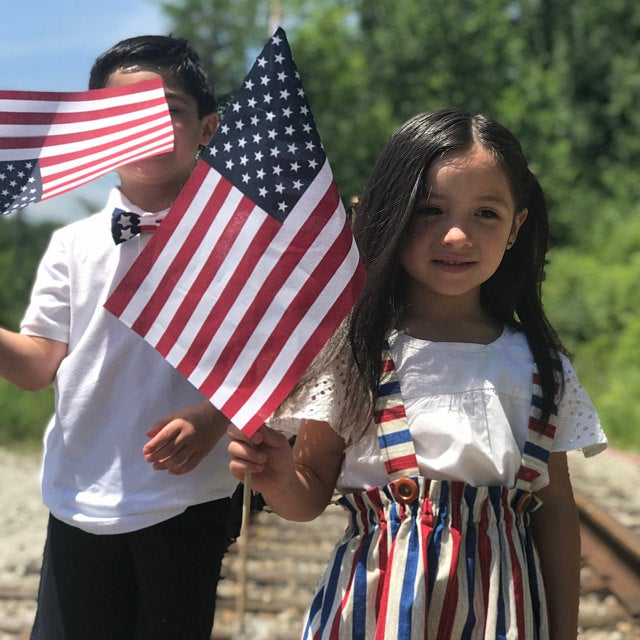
[{"x": 406, "y": 490}]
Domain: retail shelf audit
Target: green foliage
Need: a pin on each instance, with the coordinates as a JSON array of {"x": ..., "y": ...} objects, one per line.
[
  {"x": 24, "y": 415},
  {"x": 21, "y": 246}
]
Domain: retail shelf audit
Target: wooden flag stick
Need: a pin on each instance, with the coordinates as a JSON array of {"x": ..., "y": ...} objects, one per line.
[{"x": 243, "y": 552}]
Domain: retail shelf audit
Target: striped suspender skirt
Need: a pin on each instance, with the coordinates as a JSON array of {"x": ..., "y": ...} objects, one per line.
[{"x": 426, "y": 559}]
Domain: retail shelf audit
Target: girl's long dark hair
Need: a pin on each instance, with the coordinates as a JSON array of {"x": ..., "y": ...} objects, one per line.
[{"x": 396, "y": 185}]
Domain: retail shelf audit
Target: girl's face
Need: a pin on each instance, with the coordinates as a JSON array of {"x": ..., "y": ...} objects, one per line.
[{"x": 459, "y": 232}]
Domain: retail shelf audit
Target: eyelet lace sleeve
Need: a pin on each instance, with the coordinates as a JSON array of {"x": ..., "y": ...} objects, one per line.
[
  {"x": 321, "y": 399},
  {"x": 579, "y": 425}
]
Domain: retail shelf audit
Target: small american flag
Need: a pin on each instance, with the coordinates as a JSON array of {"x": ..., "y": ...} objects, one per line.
[
  {"x": 51, "y": 143},
  {"x": 255, "y": 266}
]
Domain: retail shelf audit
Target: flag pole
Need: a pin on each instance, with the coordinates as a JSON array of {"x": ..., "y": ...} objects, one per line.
[{"x": 243, "y": 553}]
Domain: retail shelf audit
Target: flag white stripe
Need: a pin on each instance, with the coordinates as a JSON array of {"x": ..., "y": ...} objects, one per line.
[
  {"x": 265, "y": 265},
  {"x": 290, "y": 351},
  {"x": 79, "y": 178},
  {"x": 192, "y": 271},
  {"x": 221, "y": 279},
  {"x": 179, "y": 238},
  {"x": 93, "y": 160},
  {"x": 68, "y": 103},
  {"x": 73, "y": 128},
  {"x": 280, "y": 301}
]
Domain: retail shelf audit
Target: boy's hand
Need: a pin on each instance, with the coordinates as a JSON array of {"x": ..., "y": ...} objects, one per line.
[{"x": 180, "y": 441}]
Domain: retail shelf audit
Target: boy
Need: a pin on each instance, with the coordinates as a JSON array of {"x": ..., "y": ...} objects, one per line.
[{"x": 138, "y": 491}]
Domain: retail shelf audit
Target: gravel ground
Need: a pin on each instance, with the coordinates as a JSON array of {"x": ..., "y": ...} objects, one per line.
[{"x": 23, "y": 523}]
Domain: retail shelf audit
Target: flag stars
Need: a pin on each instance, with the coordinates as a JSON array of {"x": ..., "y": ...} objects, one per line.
[{"x": 275, "y": 152}]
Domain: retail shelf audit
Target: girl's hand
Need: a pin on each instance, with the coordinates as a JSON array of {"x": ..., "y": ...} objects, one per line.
[
  {"x": 266, "y": 454},
  {"x": 181, "y": 441},
  {"x": 297, "y": 483}
]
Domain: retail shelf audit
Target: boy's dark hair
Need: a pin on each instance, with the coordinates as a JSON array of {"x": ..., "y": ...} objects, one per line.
[
  {"x": 396, "y": 186},
  {"x": 163, "y": 54}
]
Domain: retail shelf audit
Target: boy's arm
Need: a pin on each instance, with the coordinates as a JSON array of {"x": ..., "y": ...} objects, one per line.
[
  {"x": 29, "y": 362},
  {"x": 297, "y": 484},
  {"x": 556, "y": 533},
  {"x": 181, "y": 441}
]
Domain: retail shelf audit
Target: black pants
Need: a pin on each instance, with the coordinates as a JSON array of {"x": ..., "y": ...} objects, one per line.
[{"x": 158, "y": 583}]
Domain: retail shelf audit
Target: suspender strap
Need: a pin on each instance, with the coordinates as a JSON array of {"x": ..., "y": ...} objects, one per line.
[{"x": 391, "y": 421}]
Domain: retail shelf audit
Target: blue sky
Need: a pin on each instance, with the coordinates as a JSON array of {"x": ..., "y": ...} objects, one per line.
[{"x": 50, "y": 45}]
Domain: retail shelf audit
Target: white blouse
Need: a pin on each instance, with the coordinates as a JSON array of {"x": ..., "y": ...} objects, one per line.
[{"x": 468, "y": 408}]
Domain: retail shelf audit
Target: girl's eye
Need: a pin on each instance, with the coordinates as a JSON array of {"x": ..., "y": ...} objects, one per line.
[
  {"x": 428, "y": 210},
  {"x": 487, "y": 213}
]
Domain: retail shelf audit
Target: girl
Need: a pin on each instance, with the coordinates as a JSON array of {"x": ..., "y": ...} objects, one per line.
[{"x": 445, "y": 417}]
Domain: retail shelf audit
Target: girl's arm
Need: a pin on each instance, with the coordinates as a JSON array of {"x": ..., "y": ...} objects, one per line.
[
  {"x": 297, "y": 484},
  {"x": 557, "y": 536}
]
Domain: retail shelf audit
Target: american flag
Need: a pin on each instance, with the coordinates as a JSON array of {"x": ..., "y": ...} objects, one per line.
[
  {"x": 255, "y": 266},
  {"x": 51, "y": 143}
]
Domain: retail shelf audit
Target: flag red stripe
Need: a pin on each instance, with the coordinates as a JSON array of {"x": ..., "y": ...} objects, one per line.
[
  {"x": 208, "y": 271},
  {"x": 79, "y": 96},
  {"x": 283, "y": 268},
  {"x": 122, "y": 296},
  {"x": 323, "y": 331},
  {"x": 54, "y": 168},
  {"x": 120, "y": 131},
  {"x": 89, "y": 119},
  {"x": 281, "y": 332},
  {"x": 180, "y": 261}
]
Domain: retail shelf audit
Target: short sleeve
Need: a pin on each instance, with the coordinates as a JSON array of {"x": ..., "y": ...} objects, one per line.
[
  {"x": 48, "y": 313},
  {"x": 578, "y": 422},
  {"x": 321, "y": 399}
]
